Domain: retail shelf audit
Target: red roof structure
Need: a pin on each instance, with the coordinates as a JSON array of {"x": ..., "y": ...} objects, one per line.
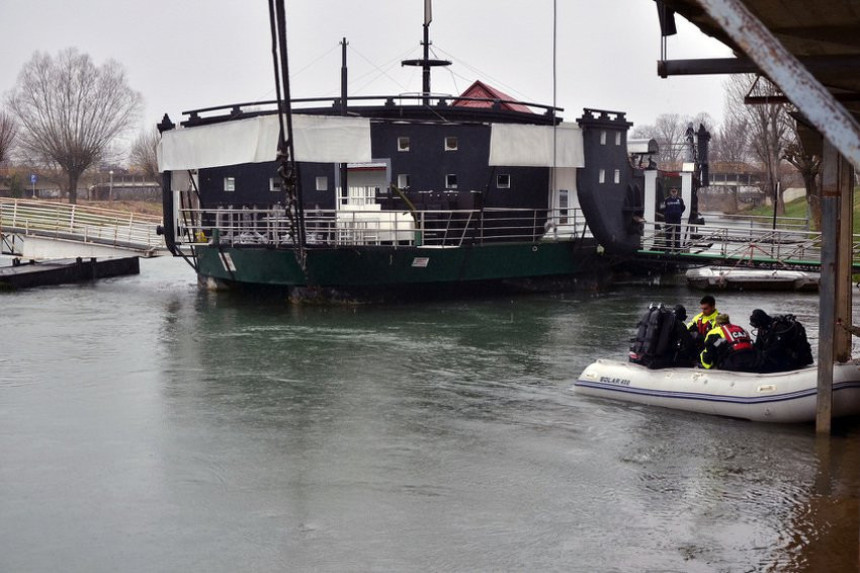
[{"x": 481, "y": 90}]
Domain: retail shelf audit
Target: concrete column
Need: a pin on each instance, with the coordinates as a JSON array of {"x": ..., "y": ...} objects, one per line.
[
  {"x": 687, "y": 196},
  {"x": 650, "y": 199}
]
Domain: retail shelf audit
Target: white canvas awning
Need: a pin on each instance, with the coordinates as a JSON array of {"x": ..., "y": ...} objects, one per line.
[
  {"x": 321, "y": 139},
  {"x": 531, "y": 145}
]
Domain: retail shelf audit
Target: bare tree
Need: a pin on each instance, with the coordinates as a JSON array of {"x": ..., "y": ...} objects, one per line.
[
  {"x": 731, "y": 141},
  {"x": 768, "y": 125},
  {"x": 70, "y": 110},
  {"x": 143, "y": 154},
  {"x": 809, "y": 166},
  {"x": 705, "y": 119},
  {"x": 669, "y": 131},
  {"x": 8, "y": 131}
]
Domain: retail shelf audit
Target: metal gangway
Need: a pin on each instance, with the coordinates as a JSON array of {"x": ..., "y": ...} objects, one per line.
[
  {"x": 49, "y": 220},
  {"x": 738, "y": 241}
]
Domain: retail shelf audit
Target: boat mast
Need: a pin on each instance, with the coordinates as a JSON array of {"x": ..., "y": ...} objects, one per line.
[
  {"x": 344, "y": 168},
  {"x": 288, "y": 170},
  {"x": 426, "y": 63}
]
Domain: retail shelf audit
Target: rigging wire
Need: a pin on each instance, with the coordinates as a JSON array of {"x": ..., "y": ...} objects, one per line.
[
  {"x": 481, "y": 73},
  {"x": 448, "y": 69},
  {"x": 382, "y": 72},
  {"x": 264, "y": 97},
  {"x": 314, "y": 61}
]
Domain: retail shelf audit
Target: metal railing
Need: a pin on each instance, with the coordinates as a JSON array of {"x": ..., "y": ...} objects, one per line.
[
  {"x": 84, "y": 224},
  {"x": 738, "y": 242},
  {"x": 758, "y": 221},
  {"x": 436, "y": 101},
  {"x": 339, "y": 227}
]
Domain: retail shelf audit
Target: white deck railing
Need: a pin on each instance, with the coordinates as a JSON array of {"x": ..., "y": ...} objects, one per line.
[
  {"x": 440, "y": 228},
  {"x": 92, "y": 225}
]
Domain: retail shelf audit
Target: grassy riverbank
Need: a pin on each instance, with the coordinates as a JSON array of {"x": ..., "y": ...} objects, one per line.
[{"x": 798, "y": 209}]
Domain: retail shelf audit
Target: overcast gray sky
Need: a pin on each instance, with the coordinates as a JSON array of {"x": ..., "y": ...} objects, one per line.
[{"x": 184, "y": 54}]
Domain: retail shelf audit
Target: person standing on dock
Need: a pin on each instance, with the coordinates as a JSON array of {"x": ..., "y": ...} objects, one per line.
[{"x": 673, "y": 208}]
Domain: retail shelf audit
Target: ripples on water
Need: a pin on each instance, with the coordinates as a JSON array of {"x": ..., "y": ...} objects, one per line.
[{"x": 145, "y": 425}]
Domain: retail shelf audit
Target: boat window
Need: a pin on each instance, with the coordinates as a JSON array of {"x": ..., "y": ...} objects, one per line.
[
  {"x": 451, "y": 143},
  {"x": 603, "y": 137},
  {"x": 402, "y": 144},
  {"x": 274, "y": 184},
  {"x": 403, "y": 181},
  {"x": 451, "y": 181},
  {"x": 322, "y": 183},
  {"x": 601, "y": 176},
  {"x": 617, "y": 176},
  {"x": 503, "y": 181},
  {"x": 229, "y": 184},
  {"x": 617, "y": 138}
]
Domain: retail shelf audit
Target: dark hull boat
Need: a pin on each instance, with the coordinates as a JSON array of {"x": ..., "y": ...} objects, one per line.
[{"x": 422, "y": 193}]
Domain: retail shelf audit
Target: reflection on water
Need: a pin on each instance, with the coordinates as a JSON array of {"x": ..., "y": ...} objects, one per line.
[{"x": 145, "y": 425}]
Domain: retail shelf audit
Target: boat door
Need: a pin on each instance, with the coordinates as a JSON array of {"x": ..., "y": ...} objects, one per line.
[
  {"x": 565, "y": 217},
  {"x": 365, "y": 181},
  {"x": 186, "y": 205}
]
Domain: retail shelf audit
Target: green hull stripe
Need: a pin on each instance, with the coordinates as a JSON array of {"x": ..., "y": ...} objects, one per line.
[{"x": 387, "y": 266}]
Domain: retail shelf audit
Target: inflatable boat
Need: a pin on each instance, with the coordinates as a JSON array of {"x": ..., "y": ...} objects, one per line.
[{"x": 784, "y": 397}]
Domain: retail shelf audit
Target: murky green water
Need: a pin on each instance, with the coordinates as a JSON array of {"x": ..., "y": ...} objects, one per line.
[{"x": 147, "y": 426}]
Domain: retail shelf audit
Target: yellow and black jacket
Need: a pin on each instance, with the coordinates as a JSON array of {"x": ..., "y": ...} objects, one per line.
[{"x": 703, "y": 323}]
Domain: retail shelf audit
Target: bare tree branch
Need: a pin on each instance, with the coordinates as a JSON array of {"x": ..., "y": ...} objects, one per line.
[
  {"x": 809, "y": 166},
  {"x": 768, "y": 124},
  {"x": 70, "y": 110},
  {"x": 143, "y": 154},
  {"x": 731, "y": 141},
  {"x": 8, "y": 132},
  {"x": 669, "y": 132}
]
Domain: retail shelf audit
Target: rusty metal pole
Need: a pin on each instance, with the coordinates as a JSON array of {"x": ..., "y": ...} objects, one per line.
[
  {"x": 797, "y": 83},
  {"x": 845, "y": 248},
  {"x": 827, "y": 286}
]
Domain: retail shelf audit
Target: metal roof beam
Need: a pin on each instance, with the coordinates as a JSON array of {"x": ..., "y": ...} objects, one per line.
[
  {"x": 666, "y": 68},
  {"x": 796, "y": 82},
  {"x": 760, "y": 100}
]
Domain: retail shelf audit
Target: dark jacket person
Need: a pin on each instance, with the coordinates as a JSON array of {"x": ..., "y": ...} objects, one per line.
[
  {"x": 673, "y": 208},
  {"x": 780, "y": 342}
]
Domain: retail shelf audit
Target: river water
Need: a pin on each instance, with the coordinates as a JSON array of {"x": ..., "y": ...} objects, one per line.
[{"x": 148, "y": 426}]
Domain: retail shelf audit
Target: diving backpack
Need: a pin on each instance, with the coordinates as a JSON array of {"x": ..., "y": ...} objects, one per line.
[
  {"x": 651, "y": 345},
  {"x": 789, "y": 335}
]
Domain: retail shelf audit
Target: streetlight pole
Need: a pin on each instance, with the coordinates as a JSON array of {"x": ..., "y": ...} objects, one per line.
[{"x": 110, "y": 189}]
